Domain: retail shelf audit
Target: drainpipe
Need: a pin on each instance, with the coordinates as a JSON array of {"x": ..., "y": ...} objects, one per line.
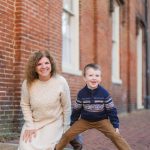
[
  {"x": 147, "y": 97},
  {"x": 95, "y": 32},
  {"x": 128, "y": 61}
]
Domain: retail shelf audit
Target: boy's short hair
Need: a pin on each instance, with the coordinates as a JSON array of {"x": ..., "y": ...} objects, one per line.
[{"x": 92, "y": 65}]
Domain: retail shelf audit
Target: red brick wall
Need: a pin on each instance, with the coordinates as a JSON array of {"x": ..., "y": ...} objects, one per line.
[
  {"x": 8, "y": 107},
  {"x": 125, "y": 93},
  {"x": 87, "y": 47},
  {"x": 29, "y": 25},
  {"x": 138, "y": 10},
  {"x": 25, "y": 26}
]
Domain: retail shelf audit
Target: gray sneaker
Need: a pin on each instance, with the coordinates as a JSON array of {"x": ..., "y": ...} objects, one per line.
[{"x": 76, "y": 145}]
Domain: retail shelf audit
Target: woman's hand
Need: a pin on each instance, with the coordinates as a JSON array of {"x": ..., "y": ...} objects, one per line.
[
  {"x": 117, "y": 130},
  {"x": 29, "y": 134}
]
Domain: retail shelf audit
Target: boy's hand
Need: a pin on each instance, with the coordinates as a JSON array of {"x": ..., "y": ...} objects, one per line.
[{"x": 117, "y": 130}]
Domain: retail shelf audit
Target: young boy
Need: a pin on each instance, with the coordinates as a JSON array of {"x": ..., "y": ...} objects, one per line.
[{"x": 96, "y": 109}]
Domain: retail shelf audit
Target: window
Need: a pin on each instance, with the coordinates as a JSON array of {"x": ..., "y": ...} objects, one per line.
[
  {"x": 70, "y": 37},
  {"x": 115, "y": 45}
]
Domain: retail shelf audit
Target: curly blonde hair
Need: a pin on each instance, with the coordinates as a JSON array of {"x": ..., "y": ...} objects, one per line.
[{"x": 30, "y": 73}]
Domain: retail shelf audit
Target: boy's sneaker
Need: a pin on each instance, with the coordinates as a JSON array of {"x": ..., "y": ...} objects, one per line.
[{"x": 76, "y": 145}]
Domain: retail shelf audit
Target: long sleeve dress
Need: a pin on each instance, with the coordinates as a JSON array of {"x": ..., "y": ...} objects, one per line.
[{"x": 46, "y": 106}]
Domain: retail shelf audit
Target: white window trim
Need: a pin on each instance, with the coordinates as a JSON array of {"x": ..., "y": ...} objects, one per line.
[
  {"x": 73, "y": 68},
  {"x": 115, "y": 45},
  {"x": 139, "y": 69}
]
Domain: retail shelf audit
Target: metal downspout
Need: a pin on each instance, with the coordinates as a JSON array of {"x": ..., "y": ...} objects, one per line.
[
  {"x": 147, "y": 98},
  {"x": 128, "y": 61},
  {"x": 95, "y": 32}
]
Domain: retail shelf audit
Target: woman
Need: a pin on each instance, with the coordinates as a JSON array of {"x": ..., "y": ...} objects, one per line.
[{"x": 45, "y": 103}]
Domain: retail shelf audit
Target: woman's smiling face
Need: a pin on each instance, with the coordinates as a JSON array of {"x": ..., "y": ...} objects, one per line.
[{"x": 43, "y": 69}]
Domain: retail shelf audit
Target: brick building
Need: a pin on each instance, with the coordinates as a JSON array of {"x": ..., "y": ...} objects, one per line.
[{"x": 112, "y": 33}]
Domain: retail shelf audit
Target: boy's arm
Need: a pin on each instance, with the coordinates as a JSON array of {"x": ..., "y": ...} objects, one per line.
[
  {"x": 76, "y": 111},
  {"x": 111, "y": 112}
]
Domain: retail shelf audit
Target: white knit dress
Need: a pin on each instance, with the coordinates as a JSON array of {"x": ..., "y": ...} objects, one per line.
[{"x": 46, "y": 106}]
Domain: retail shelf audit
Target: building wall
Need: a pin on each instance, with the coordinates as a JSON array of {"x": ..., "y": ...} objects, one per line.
[
  {"x": 133, "y": 13},
  {"x": 26, "y": 26},
  {"x": 104, "y": 52},
  {"x": 8, "y": 95},
  {"x": 29, "y": 25}
]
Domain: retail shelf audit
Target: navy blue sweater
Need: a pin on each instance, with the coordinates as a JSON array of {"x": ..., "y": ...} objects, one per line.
[{"x": 95, "y": 105}]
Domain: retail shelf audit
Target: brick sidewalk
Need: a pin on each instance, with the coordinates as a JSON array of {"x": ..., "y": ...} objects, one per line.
[{"x": 134, "y": 127}]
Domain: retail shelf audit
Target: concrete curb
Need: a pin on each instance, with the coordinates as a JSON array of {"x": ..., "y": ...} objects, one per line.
[{"x": 10, "y": 146}]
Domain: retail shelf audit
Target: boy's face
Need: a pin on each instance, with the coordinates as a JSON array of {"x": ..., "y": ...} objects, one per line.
[{"x": 92, "y": 78}]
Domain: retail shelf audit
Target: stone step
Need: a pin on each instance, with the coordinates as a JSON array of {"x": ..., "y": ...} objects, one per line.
[{"x": 10, "y": 146}]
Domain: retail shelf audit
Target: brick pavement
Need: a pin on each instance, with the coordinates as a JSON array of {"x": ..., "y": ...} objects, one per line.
[{"x": 134, "y": 127}]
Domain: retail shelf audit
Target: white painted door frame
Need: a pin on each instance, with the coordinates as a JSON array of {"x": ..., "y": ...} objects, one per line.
[{"x": 139, "y": 70}]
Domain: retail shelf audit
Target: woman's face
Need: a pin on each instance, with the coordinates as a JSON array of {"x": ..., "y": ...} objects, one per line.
[{"x": 43, "y": 68}]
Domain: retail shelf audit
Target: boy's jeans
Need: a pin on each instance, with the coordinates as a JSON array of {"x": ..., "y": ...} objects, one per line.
[{"x": 104, "y": 126}]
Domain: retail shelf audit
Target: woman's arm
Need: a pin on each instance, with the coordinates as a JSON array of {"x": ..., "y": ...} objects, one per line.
[
  {"x": 25, "y": 106},
  {"x": 30, "y": 131},
  {"x": 66, "y": 104}
]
